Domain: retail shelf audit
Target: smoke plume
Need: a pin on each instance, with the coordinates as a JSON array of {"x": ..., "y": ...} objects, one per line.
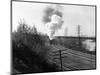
[
  {"x": 50, "y": 10},
  {"x": 53, "y": 20}
]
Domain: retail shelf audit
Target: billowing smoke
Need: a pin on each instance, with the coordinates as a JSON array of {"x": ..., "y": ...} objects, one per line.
[
  {"x": 53, "y": 20},
  {"x": 89, "y": 45}
]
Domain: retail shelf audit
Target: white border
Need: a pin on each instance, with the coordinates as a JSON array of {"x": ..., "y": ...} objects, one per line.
[{"x": 5, "y": 37}]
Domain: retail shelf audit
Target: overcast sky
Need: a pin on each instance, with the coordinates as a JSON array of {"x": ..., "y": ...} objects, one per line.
[{"x": 73, "y": 15}]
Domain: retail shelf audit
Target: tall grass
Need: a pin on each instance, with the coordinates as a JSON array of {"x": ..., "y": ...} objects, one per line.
[{"x": 29, "y": 52}]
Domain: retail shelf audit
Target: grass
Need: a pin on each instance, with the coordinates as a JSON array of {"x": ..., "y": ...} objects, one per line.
[{"x": 30, "y": 53}]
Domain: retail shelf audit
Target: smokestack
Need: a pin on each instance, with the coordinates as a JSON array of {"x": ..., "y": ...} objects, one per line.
[{"x": 52, "y": 20}]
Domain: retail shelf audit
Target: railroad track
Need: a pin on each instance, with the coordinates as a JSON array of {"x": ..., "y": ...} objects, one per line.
[
  {"x": 59, "y": 47},
  {"x": 73, "y": 60}
]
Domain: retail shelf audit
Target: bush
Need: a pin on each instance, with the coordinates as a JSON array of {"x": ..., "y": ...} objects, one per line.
[{"x": 30, "y": 54}]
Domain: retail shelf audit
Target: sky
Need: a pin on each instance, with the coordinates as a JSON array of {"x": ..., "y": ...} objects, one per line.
[{"x": 73, "y": 16}]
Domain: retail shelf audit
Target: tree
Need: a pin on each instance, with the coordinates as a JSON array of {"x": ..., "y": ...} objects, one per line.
[{"x": 29, "y": 48}]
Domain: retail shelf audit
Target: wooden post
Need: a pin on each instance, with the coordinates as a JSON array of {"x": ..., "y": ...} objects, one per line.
[{"x": 60, "y": 60}]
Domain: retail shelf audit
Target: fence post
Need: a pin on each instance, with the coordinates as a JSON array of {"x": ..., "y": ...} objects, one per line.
[{"x": 60, "y": 60}]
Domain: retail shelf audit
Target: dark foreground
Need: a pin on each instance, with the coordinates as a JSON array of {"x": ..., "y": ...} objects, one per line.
[{"x": 69, "y": 60}]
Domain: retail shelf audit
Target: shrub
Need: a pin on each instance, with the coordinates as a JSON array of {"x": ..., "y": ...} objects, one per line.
[{"x": 30, "y": 54}]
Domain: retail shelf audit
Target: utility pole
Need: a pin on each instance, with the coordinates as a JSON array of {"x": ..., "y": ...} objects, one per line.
[
  {"x": 79, "y": 35},
  {"x": 61, "y": 60}
]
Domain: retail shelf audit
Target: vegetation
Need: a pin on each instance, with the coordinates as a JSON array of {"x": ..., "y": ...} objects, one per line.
[
  {"x": 73, "y": 43},
  {"x": 30, "y": 51},
  {"x": 30, "y": 54}
]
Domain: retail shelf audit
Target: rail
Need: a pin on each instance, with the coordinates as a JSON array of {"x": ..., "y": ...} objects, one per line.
[{"x": 62, "y": 53}]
